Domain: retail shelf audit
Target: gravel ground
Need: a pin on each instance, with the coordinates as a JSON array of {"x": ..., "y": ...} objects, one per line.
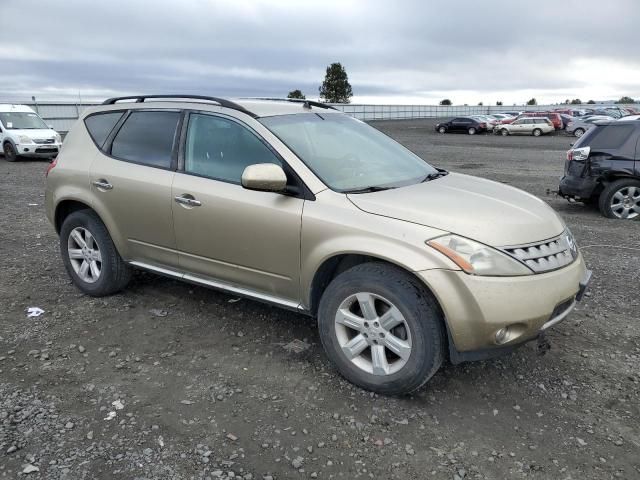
[{"x": 168, "y": 380}]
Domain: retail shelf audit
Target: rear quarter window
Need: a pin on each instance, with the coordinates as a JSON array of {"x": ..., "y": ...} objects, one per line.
[{"x": 100, "y": 125}]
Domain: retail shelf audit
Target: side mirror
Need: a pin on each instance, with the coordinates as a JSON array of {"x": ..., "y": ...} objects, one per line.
[{"x": 264, "y": 177}]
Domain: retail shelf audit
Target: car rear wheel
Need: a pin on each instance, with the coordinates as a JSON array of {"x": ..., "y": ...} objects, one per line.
[
  {"x": 536, "y": 132},
  {"x": 504, "y": 132},
  {"x": 578, "y": 132},
  {"x": 381, "y": 329},
  {"x": 90, "y": 257},
  {"x": 10, "y": 154},
  {"x": 621, "y": 199},
  {"x": 442, "y": 130},
  {"x": 471, "y": 131}
]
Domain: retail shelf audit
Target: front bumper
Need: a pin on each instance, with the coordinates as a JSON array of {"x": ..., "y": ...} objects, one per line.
[
  {"x": 41, "y": 150},
  {"x": 476, "y": 307}
]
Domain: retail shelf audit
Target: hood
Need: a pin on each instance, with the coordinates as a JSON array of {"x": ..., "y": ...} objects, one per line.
[
  {"x": 34, "y": 133},
  {"x": 486, "y": 211}
]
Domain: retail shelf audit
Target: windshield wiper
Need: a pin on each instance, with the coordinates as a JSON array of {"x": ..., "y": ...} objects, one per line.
[
  {"x": 372, "y": 188},
  {"x": 433, "y": 176}
]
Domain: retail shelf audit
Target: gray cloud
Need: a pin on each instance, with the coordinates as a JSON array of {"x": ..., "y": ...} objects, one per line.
[{"x": 405, "y": 49}]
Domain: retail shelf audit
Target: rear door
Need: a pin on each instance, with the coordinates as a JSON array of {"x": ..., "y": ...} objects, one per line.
[
  {"x": 226, "y": 233},
  {"x": 459, "y": 124},
  {"x": 131, "y": 182}
]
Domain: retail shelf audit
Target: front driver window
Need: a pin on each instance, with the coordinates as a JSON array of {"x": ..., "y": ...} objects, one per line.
[{"x": 221, "y": 149}]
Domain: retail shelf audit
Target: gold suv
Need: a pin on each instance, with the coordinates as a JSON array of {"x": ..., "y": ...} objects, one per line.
[{"x": 299, "y": 205}]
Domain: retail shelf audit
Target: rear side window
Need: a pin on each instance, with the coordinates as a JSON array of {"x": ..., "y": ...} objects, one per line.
[
  {"x": 100, "y": 125},
  {"x": 147, "y": 137},
  {"x": 606, "y": 137}
]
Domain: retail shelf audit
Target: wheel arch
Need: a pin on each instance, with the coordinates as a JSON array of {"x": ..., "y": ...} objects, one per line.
[
  {"x": 65, "y": 208},
  {"x": 333, "y": 266}
]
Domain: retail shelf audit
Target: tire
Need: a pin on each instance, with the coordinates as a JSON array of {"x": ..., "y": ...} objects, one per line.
[
  {"x": 10, "y": 154},
  {"x": 578, "y": 132},
  {"x": 421, "y": 328},
  {"x": 536, "y": 132},
  {"x": 471, "y": 131},
  {"x": 504, "y": 132},
  {"x": 114, "y": 274},
  {"x": 442, "y": 130},
  {"x": 621, "y": 200}
]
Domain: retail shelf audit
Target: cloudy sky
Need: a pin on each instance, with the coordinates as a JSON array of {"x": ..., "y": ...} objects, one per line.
[{"x": 395, "y": 51}]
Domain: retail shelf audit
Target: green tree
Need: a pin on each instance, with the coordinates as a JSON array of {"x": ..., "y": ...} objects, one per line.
[
  {"x": 296, "y": 94},
  {"x": 446, "y": 101},
  {"x": 480, "y": 104},
  {"x": 576, "y": 101},
  {"x": 626, "y": 100},
  {"x": 499, "y": 103},
  {"x": 532, "y": 101},
  {"x": 336, "y": 87},
  {"x": 591, "y": 102}
]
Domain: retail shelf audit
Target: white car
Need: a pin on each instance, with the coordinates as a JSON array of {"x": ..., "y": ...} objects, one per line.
[
  {"x": 24, "y": 133},
  {"x": 629, "y": 118},
  {"x": 535, "y": 126}
]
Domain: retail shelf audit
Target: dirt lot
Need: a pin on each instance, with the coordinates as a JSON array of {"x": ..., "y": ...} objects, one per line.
[{"x": 208, "y": 391}]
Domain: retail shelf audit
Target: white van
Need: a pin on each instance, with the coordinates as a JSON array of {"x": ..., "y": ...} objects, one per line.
[{"x": 24, "y": 133}]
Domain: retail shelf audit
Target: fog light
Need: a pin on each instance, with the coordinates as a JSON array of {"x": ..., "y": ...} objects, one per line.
[{"x": 501, "y": 335}]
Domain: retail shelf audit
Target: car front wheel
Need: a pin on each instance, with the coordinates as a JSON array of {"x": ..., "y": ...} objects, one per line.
[
  {"x": 578, "y": 132},
  {"x": 471, "y": 131},
  {"x": 537, "y": 132},
  {"x": 621, "y": 199},
  {"x": 504, "y": 132},
  {"x": 10, "y": 154},
  {"x": 381, "y": 329},
  {"x": 90, "y": 257},
  {"x": 442, "y": 130}
]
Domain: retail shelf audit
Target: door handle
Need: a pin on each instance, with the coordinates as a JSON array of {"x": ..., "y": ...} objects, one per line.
[
  {"x": 187, "y": 200},
  {"x": 103, "y": 184}
]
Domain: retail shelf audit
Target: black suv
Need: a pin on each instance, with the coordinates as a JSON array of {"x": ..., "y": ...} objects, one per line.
[
  {"x": 603, "y": 167},
  {"x": 462, "y": 124}
]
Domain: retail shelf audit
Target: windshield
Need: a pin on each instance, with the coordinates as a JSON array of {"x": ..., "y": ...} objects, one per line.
[
  {"x": 21, "y": 120},
  {"x": 348, "y": 154}
]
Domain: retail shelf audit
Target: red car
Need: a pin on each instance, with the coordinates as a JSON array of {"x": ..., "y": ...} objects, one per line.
[{"x": 555, "y": 118}]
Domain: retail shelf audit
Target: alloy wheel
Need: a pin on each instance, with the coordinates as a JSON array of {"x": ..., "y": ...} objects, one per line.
[
  {"x": 373, "y": 334},
  {"x": 625, "y": 203},
  {"x": 84, "y": 255}
]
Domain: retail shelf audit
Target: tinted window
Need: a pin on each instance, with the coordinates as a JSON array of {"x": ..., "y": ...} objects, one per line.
[
  {"x": 147, "y": 137},
  {"x": 605, "y": 137},
  {"x": 100, "y": 125},
  {"x": 222, "y": 149}
]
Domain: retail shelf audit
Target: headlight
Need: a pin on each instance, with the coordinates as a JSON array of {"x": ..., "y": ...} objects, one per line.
[
  {"x": 58, "y": 138},
  {"x": 24, "y": 139},
  {"x": 478, "y": 259}
]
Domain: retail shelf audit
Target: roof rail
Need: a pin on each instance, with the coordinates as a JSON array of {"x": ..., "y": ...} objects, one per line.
[
  {"x": 307, "y": 103},
  {"x": 220, "y": 101}
]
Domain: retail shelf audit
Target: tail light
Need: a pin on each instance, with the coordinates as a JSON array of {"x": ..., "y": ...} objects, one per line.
[
  {"x": 53, "y": 163},
  {"x": 483, "y": 125},
  {"x": 578, "y": 154}
]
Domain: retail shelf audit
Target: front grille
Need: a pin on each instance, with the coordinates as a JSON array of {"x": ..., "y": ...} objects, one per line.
[
  {"x": 46, "y": 150},
  {"x": 43, "y": 141},
  {"x": 547, "y": 255}
]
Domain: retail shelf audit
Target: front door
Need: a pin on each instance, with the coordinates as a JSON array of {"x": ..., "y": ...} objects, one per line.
[
  {"x": 225, "y": 233},
  {"x": 131, "y": 183}
]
